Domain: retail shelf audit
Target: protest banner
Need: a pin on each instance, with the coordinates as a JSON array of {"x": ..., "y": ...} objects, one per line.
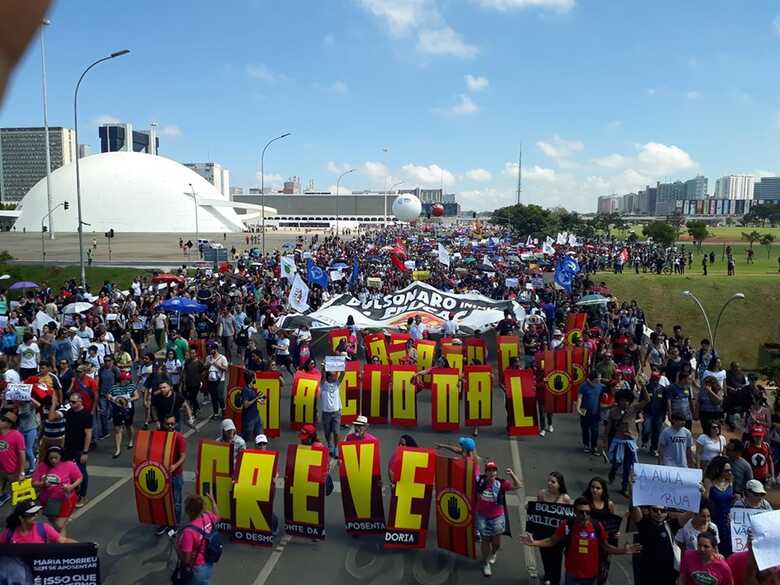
[
  {"x": 253, "y": 495},
  {"x": 399, "y": 337},
  {"x": 478, "y": 396},
  {"x": 543, "y": 518},
  {"x": 522, "y": 418},
  {"x": 22, "y": 490},
  {"x": 269, "y": 385},
  {"x": 376, "y": 346},
  {"x": 455, "y": 501},
  {"x": 557, "y": 382},
  {"x": 453, "y": 354},
  {"x": 152, "y": 458},
  {"x": 445, "y": 399},
  {"x": 671, "y": 487},
  {"x": 578, "y": 362},
  {"x": 410, "y": 500},
  {"x": 740, "y": 525},
  {"x": 507, "y": 347},
  {"x": 336, "y": 336},
  {"x": 349, "y": 391},
  {"x": 397, "y": 353},
  {"x": 303, "y": 399},
  {"x": 304, "y": 491},
  {"x": 214, "y": 477},
  {"x": 426, "y": 351},
  {"x": 233, "y": 402},
  {"x": 18, "y": 392},
  {"x": 576, "y": 323},
  {"x": 766, "y": 539},
  {"x": 376, "y": 392},
  {"x": 476, "y": 350},
  {"x": 403, "y": 396},
  {"x": 335, "y": 363},
  {"x": 361, "y": 487},
  {"x": 50, "y": 564}
]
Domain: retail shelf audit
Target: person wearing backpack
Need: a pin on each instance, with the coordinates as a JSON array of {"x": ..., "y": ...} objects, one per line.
[
  {"x": 23, "y": 527},
  {"x": 585, "y": 540},
  {"x": 199, "y": 545}
]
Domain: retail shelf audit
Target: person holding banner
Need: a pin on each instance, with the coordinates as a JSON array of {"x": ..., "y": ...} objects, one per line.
[
  {"x": 554, "y": 493},
  {"x": 491, "y": 511},
  {"x": 622, "y": 421},
  {"x": 194, "y": 568},
  {"x": 704, "y": 565},
  {"x": 331, "y": 409},
  {"x": 176, "y": 470},
  {"x": 660, "y": 555},
  {"x": 360, "y": 431},
  {"x": 56, "y": 482},
  {"x": 12, "y": 453},
  {"x": 21, "y": 527}
]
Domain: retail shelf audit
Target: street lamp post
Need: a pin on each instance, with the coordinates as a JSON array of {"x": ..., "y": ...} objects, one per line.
[
  {"x": 713, "y": 333},
  {"x": 384, "y": 150},
  {"x": 262, "y": 185},
  {"x": 338, "y": 182},
  {"x": 78, "y": 176},
  {"x": 49, "y": 209},
  {"x": 197, "y": 230},
  {"x": 43, "y": 220}
]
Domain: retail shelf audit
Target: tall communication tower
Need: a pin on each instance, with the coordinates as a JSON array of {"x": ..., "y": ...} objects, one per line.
[{"x": 520, "y": 174}]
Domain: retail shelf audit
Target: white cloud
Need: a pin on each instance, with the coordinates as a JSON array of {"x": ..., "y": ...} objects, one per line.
[
  {"x": 488, "y": 198},
  {"x": 263, "y": 73},
  {"x": 693, "y": 95},
  {"x": 170, "y": 130},
  {"x": 444, "y": 41},
  {"x": 431, "y": 175},
  {"x": 660, "y": 159},
  {"x": 533, "y": 173},
  {"x": 480, "y": 175},
  {"x": 776, "y": 25},
  {"x": 612, "y": 161},
  {"x": 342, "y": 190},
  {"x": 559, "y": 148},
  {"x": 338, "y": 87},
  {"x": 270, "y": 180},
  {"x": 465, "y": 105},
  {"x": 476, "y": 83},
  {"x": 107, "y": 119},
  {"x": 505, "y": 5},
  {"x": 402, "y": 16},
  {"x": 336, "y": 168},
  {"x": 376, "y": 170}
]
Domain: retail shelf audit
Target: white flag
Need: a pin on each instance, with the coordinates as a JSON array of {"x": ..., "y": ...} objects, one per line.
[
  {"x": 299, "y": 295},
  {"x": 529, "y": 242},
  {"x": 572, "y": 240},
  {"x": 288, "y": 267},
  {"x": 548, "y": 249},
  {"x": 487, "y": 262},
  {"x": 444, "y": 255},
  {"x": 561, "y": 239}
]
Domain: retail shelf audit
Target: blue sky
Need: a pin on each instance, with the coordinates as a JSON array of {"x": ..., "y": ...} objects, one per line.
[{"x": 605, "y": 96}]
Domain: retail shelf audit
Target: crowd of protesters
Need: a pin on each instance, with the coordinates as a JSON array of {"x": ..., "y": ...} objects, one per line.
[{"x": 90, "y": 369}]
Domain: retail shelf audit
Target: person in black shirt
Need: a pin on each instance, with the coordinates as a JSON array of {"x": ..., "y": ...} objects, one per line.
[
  {"x": 507, "y": 324},
  {"x": 166, "y": 403},
  {"x": 656, "y": 535},
  {"x": 78, "y": 435}
]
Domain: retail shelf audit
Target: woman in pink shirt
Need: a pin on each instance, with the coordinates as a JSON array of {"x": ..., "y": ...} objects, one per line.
[
  {"x": 57, "y": 482},
  {"x": 191, "y": 546},
  {"x": 705, "y": 565},
  {"x": 22, "y": 527}
]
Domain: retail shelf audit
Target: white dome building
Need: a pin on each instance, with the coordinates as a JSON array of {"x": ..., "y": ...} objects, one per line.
[{"x": 134, "y": 192}]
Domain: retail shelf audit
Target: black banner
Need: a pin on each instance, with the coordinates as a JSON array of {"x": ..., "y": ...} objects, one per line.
[
  {"x": 50, "y": 564},
  {"x": 543, "y": 517}
]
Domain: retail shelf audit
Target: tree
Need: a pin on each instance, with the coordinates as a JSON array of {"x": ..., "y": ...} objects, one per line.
[
  {"x": 751, "y": 237},
  {"x": 661, "y": 232},
  {"x": 767, "y": 240},
  {"x": 677, "y": 221},
  {"x": 697, "y": 229},
  {"x": 527, "y": 220},
  {"x": 766, "y": 213}
]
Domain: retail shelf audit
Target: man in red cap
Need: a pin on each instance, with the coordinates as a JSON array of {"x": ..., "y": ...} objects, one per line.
[{"x": 759, "y": 455}]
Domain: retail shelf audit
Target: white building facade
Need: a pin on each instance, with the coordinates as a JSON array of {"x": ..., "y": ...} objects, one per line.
[{"x": 735, "y": 187}]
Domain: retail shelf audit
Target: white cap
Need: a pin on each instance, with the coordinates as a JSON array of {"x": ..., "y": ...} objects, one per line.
[
  {"x": 261, "y": 439},
  {"x": 228, "y": 425},
  {"x": 360, "y": 421},
  {"x": 755, "y": 486}
]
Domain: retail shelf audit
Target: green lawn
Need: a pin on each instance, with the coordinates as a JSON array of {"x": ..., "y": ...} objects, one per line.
[
  {"x": 745, "y": 324},
  {"x": 762, "y": 264},
  {"x": 56, "y": 276}
]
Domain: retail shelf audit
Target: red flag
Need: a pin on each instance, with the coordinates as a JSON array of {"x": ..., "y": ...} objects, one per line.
[
  {"x": 557, "y": 382},
  {"x": 455, "y": 500},
  {"x": 152, "y": 458},
  {"x": 233, "y": 401},
  {"x": 521, "y": 415},
  {"x": 576, "y": 323}
]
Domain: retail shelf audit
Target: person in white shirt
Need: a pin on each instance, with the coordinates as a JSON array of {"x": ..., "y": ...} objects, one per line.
[
  {"x": 331, "y": 409},
  {"x": 229, "y": 435},
  {"x": 675, "y": 446},
  {"x": 451, "y": 325},
  {"x": 85, "y": 332},
  {"x": 29, "y": 356},
  {"x": 417, "y": 330},
  {"x": 710, "y": 445}
]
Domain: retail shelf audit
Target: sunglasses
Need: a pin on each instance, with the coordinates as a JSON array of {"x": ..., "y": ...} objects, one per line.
[{"x": 659, "y": 510}]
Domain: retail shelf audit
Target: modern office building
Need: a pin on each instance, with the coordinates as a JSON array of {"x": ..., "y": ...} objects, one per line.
[
  {"x": 426, "y": 195},
  {"x": 121, "y": 137},
  {"x": 215, "y": 174},
  {"x": 629, "y": 204},
  {"x": 666, "y": 197},
  {"x": 236, "y": 191},
  {"x": 23, "y": 157},
  {"x": 647, "y": 200},
  {"x": 608, "y": 204},
  {"x": 735, "y": 187},
  {"x": 84, "y": 150},
  {"x": 292, "y": 185},
  {"x": 696, "y": 188},
  {"x": 767, "y": 188},
  {"x": 714, "y": 207}
]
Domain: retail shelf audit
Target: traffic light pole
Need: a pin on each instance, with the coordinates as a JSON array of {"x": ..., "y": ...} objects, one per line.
[{"x": 65, "y": 205}]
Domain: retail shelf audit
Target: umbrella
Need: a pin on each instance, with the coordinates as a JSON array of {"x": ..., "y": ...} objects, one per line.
[
  {"x": 74, "y": 308},
  {"x": 167, "y": 278},
  {"x": 183, "y": 305},
  {"x": 469, "y": 260},
  {"x": 23, "y": 284},
  {"x": 592, "y": 300}
]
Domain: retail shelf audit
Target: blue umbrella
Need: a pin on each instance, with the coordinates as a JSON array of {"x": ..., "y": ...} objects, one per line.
[
  {"x": 181, "y": 305},
  {"x": 23, "y": 284}
]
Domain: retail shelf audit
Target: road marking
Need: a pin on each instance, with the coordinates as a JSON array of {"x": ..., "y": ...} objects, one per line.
[
  {"x": 528, "y": 552},
  {"x": 270, "y": 563},
  {"x": 126, "y": 475}
]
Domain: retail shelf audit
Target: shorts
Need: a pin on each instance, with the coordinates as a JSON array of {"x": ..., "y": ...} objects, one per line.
[
  {"x": 489, "y": 527},
  {"x": 331, "y": 421},
  {"x": 122, "y": 416},
  {"x": 66, "y": 507}
]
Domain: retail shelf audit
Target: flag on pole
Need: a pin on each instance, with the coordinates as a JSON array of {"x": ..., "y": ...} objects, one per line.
[
  {"x": 572, "y": 240},
  {"x": 299, "y": 295},
  {"x": 444, "y": 255},
  {"x": 355, "y": 276},
  {"x": 560, "y": 239},
  {"x": 315, "y": 274},
  {"x": 288, "y": 267}
]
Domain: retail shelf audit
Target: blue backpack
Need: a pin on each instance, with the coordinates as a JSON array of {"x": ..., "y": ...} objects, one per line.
[{"x": 213, "y": 542}]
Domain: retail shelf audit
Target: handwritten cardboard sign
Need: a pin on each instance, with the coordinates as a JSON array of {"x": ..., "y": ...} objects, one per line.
[
  {"x": 20, "y": 392},
  {"x": 740, "y": 525},
  {"x": 663, "y": 485},
  {"x": 335, "y": 363},
  {"x": 766, "y": 539}
]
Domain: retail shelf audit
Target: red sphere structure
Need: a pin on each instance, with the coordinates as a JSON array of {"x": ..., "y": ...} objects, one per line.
[{"x": 437, "y": 210}]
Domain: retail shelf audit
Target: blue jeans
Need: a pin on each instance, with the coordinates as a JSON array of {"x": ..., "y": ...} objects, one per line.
[
  {"x": 103, "y": 414},
  {"x": 629, "y": 458},
  {"x": 177, "y": 481},
  {"x": 201, "y": 575},
  {"x": 590, "y": 430},
  {"x": 29, "y": 445},
  {"x": 651, "y": 430},
  {"x": 579, "y": 581}
]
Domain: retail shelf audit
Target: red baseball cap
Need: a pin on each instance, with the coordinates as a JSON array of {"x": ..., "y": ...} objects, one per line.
[
  {"x": 757, "y": 431},
  {"x": 307, "y": 431},
  {"x": 491, "y": 465}
]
